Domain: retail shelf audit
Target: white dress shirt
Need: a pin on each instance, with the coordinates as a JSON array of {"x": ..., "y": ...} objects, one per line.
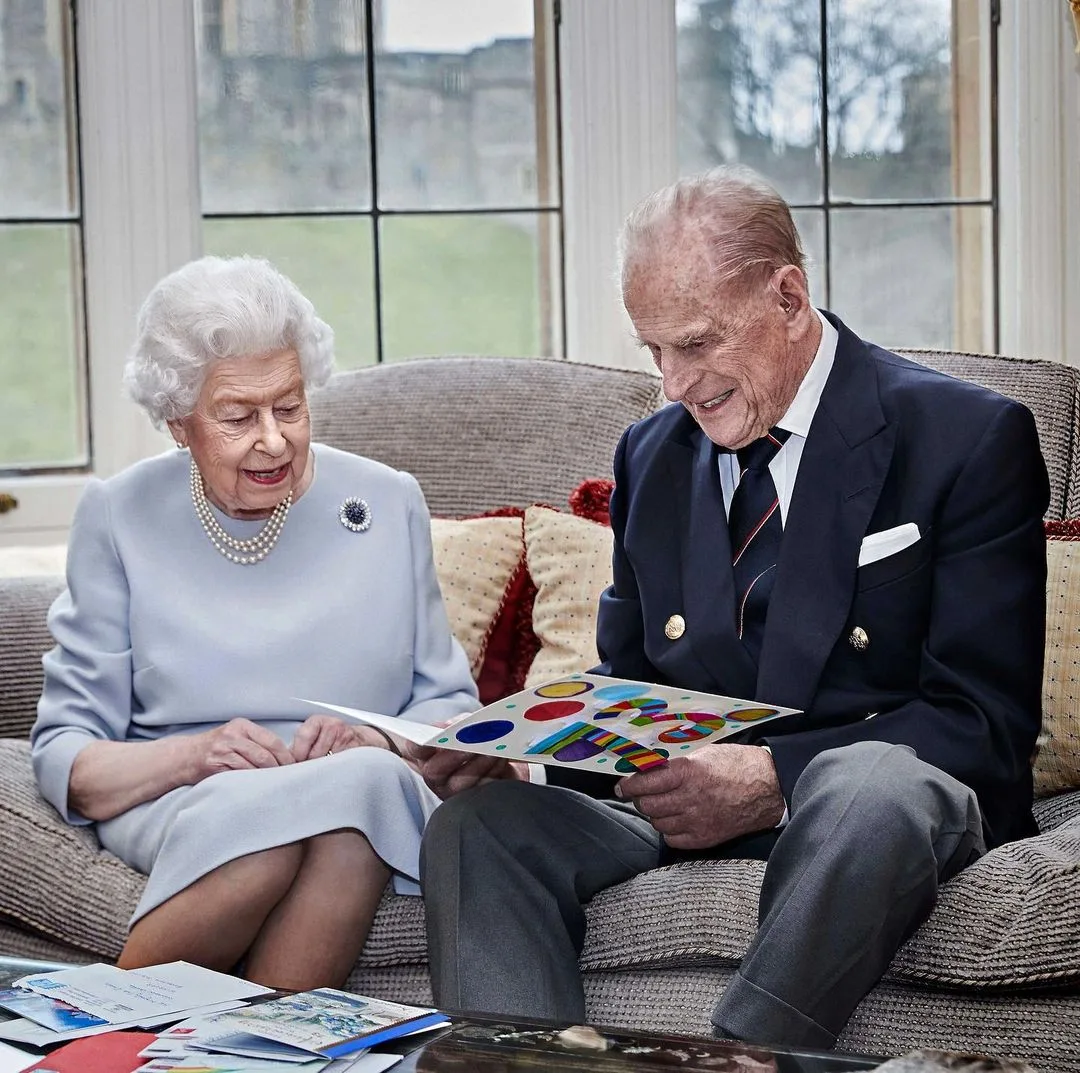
[{"x": 785, "y": 464}]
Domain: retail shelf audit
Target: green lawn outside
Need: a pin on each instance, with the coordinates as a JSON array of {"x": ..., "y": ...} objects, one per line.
[
  {"x": 451, "y": 284},
  {"x": 38, "y": 346}
]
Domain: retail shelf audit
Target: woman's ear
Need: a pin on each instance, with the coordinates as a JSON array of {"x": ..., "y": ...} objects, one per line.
[{"x": 178, "y": 432}]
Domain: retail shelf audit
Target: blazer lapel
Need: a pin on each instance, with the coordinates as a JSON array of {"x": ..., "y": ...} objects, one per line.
[
  {"x": 707, "y": 583},
  {"x": 845, "y": 460}
]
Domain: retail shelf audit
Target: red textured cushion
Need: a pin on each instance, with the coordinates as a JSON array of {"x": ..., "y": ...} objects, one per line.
[
  {"x": 591, "y": 499},
  {"x": 1066, "y": 529},
  {"x": 511, "y": 645}
]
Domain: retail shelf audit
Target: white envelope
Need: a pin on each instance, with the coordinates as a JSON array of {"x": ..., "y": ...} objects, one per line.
[{"x": 888, "y": 542}]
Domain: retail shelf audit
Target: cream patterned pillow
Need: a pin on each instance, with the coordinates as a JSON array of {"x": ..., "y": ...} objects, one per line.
[
  {"x": 475, "y": 560},
  {"x": 1057, "y": 763},
  {"x": 570, "y": 562}
]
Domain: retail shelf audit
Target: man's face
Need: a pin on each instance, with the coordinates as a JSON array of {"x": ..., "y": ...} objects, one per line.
[{"x": 732, "y": 357}]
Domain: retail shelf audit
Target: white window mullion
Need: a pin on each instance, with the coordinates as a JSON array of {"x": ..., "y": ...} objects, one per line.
[
  {"x": 140, "y": 192},
  {"x": 617, "y": 61},
  {"x": 1039, "y": 139}
]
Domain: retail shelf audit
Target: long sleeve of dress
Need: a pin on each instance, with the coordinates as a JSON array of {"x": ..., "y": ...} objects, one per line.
[{"x": 87, "y": 691}]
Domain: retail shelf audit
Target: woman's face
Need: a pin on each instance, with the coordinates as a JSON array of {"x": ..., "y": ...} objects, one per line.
[{"x": 250, "y": 433}]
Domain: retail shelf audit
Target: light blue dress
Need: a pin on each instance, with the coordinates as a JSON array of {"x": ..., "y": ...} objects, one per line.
[{"x": 159, "y": 634}]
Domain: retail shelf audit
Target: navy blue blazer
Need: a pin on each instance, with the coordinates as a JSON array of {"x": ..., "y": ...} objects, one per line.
[{"x": 955, "y": 622}]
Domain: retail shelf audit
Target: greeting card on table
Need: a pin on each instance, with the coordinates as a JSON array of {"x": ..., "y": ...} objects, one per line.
[
  {"x": 587, "y": 721},
  {"x": 322, "y": 1023}
]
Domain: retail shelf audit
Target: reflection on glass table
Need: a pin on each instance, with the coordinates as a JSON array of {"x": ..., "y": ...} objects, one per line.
[{"x": 487, "y": 1045}]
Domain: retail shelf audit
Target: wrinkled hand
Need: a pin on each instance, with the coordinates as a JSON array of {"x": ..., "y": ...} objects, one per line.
[
  {"x": 238, "y": 744},
  {"x": 711, "y": 796},
  {"x": 322, "y": 734},
  {"x": 448, "y": 772}
]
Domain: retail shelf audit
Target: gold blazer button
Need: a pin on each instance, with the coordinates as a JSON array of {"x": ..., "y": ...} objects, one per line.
[
  {"x": 675, "y": 627},
  {"x": 859, "y": 639}
]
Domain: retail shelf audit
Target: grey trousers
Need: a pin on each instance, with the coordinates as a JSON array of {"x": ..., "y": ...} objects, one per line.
[{"x": 507, "y": 867}]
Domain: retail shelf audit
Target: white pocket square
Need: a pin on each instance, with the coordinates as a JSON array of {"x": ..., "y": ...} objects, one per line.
[{"x": 887, "y": 542}]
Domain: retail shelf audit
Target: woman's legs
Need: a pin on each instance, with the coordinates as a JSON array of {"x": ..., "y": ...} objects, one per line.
[
  {"x": 300, "y": 912},
  {"x": 314, "y": 935},
  {"x": 215, "y": 920}
]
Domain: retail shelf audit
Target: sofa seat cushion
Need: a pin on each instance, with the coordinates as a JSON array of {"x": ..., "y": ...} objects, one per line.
[
  {"x": 1010, "y": 920},
  {"x": 55, "y": 879}
]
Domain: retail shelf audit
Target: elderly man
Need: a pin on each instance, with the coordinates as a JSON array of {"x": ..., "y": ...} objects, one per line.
[{"x": 815, "y": 523}]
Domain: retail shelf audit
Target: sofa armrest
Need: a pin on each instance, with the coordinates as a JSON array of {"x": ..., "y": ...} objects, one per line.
[
  {"x": 56, "y": 880},
  {"x": 24, "y": 639}
]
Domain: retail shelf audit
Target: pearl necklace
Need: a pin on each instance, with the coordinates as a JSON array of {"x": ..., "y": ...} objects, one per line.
[{"x": 245, "y": 552}]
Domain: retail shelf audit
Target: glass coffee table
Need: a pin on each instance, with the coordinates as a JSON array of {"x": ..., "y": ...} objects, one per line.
[
  {"x": 480, "y": 1044},
  {"x": 11, "y": 968}
]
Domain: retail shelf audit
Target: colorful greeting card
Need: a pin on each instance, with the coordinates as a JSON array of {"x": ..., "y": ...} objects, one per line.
[{"x": 588, "y": 721}]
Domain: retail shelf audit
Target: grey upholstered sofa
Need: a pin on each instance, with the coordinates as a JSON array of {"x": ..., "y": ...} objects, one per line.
[{"x": 995, "y": 969}]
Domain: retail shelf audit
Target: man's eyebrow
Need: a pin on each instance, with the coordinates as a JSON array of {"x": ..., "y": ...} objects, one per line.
[{"x": 691, "y": 338}]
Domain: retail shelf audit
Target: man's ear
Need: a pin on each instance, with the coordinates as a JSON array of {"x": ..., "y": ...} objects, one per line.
[
  {"x": 793, "y": 297},
  {"x": 792, "y": 293}
]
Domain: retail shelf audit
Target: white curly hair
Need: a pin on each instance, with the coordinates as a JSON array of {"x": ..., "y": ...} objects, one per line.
[{"x": 216, "y": 308}]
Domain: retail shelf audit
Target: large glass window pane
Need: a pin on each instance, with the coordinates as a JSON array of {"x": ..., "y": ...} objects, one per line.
[
  {"x": 811, "y": 225},
  {"x": 37, "y": 157},
  {"x": 918, "y": 277},
  {"x": 907, "y": 111},
  {"x": 462, "y": 106},
  {"x": 41, "y": 335},
  {"x": 470, "y": 285},
  {"x": 749, "y": 78},
  {"x": 328, "y": 258},
  {"x": 42, "y": 364},
  {"x": 283, "y": 116}
]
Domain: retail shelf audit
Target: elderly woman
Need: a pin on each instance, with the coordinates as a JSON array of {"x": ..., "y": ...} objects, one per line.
[{"x": 208, "y": 589}]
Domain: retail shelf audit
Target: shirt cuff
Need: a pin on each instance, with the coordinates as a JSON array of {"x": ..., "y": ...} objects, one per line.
[
  {"x": 787, "y": 815},
  {"x": 538, "y": 774}
]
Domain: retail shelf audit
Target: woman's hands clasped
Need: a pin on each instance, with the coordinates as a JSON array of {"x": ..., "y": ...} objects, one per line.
[
  {"x": 241, "y": 743},
  {"x": 320, "y": 735}
]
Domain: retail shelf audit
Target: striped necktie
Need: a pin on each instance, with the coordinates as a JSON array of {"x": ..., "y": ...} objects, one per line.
[{"x": 755, "y": 529}]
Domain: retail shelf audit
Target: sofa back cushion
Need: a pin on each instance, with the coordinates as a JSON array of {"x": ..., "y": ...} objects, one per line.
[
  {"x": 482, "y": 433},
  {"x": 1049, "y": 390}
]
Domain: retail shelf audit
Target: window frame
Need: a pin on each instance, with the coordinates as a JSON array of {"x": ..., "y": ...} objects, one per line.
[
  {"x": 141, "y": 209},
  {"x": 606, "y": 118}
]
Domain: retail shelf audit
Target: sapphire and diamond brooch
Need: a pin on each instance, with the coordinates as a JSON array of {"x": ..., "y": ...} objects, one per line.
[{"x": 355, "y": 514}]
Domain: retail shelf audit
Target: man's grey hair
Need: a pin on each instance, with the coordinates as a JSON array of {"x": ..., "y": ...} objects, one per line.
[
  {"x": 747, "y": 225},
  {"x": 216, "y": 308}
]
